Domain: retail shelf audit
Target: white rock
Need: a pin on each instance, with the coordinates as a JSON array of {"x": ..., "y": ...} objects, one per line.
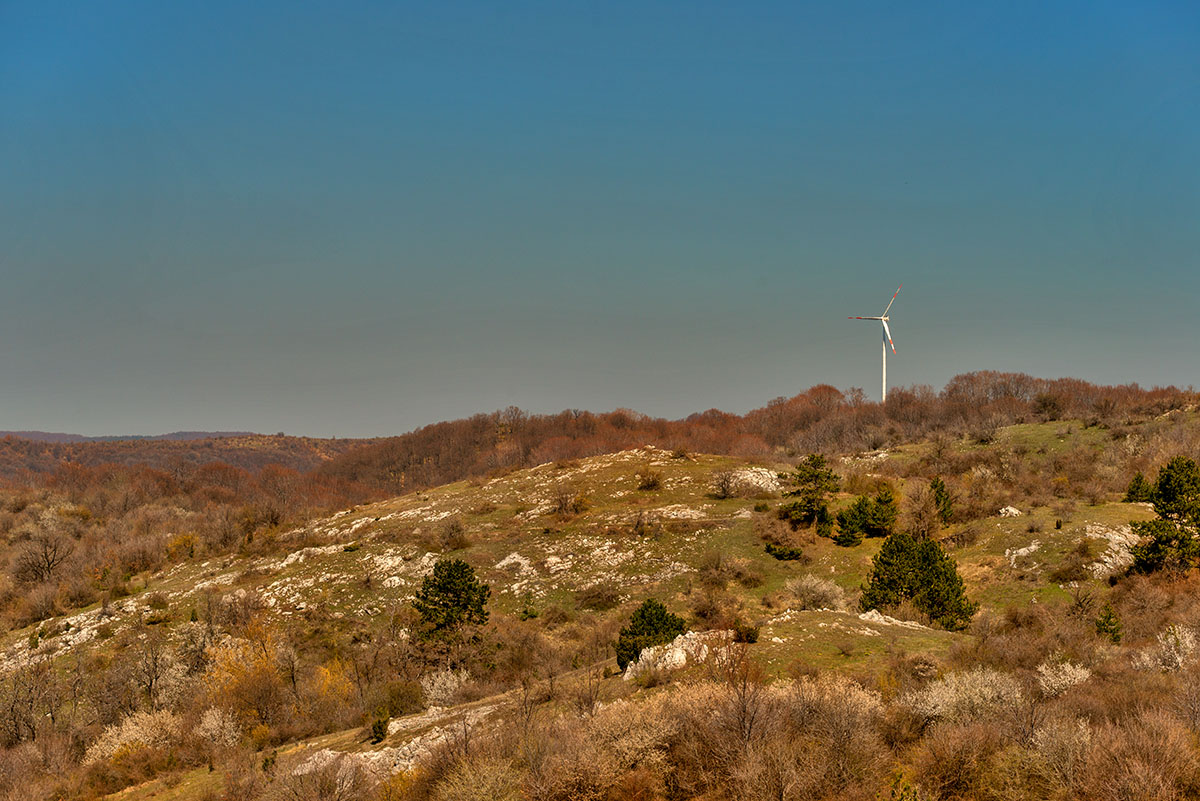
[{"x": 689, "y": 647}]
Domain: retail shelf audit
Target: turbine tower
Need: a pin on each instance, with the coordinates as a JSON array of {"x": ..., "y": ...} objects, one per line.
[{"x": 887, "y": 340}]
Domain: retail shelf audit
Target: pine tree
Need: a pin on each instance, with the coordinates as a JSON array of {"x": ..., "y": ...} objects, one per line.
[
  {"x": 1108, "y": 624},
  {"x": 920, "y": 571},
  {"x": 853, "y": 521},
  {"x": 451, "y": 597},
  {"x": 1164, "y": 545},
  {"x": 943, "y": 499},
  {"x": 814, "y": 481},
  {"x": 1170, "y": 542},
  {"x": 651, "y": 624},
  {"x": 1140, "y": 490},
  {"x": 1177, "y": 491},
  {"x": 884, "y": 511},
  {"x": 869, "y": 517}
]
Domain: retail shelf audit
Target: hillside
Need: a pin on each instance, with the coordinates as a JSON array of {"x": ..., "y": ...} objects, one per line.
[
  {"x": 303, "y": 634},
  {"x": 21, "y": 457},
  {"x": 58, "y": 436}
]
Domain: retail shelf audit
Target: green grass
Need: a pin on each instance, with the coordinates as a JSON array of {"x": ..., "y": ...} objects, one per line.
[{"x": 184, "y": 786}]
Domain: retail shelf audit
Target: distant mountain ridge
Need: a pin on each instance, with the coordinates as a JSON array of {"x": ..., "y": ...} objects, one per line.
[{"x": 175, "y": 436}]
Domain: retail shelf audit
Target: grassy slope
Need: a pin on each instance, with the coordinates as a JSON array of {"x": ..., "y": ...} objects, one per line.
[{"x": 370, "y": 559}]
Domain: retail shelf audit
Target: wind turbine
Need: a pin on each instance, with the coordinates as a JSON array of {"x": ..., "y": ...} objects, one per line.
[{"x": 887, "y": 340}]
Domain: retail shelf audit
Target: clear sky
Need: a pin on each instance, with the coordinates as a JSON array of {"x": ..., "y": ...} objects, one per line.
[{"x": 357, "y": 218}]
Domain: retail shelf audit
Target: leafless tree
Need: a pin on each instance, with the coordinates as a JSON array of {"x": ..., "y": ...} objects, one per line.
[{"x": 41, "y": 556}]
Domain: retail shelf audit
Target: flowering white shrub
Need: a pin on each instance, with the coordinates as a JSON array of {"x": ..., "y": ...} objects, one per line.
[
  {"x": 219, "y": 727},
  {"x": 146, "y": 729},
  {"x": 965, "y": 696},
  {"x": 1176, "y": 647},
  {"x": 441, "y": 686},
  {"x": 1055, "y": 678}
]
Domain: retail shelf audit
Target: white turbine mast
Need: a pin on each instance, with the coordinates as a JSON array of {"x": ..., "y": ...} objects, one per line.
[{"x": 887, "y": 340}]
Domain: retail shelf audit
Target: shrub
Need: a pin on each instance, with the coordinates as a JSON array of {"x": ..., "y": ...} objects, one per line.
[
  {"x": 725, "y": 484},
  {"x": 379, "y": 728},
  {"x": 951, "y": 760},
  {"x": 181, "y": 546},
  {"x": 338, "y": 777},
  {"x": 813, "y": 592},
  {"x": 453, "y": 535},
  {"x": 481, "y": 779},
  {"x": 601, "y": 597},
  {"x": 568, "y": 500},
  {"x": 219, "y": 727},
  {"x": 1174, "y": 648},
  {"x": 1055, "y": 678},
  {"x": 1063, "y": 746},
  {"x": 651, "y": 624},
  {"x": 159, "y": 729},
  {"x": 966, "y": 696},
  {"x": 744, "y": 632},
  {"x": 784, "y": 553},
  {"x": 41, "y": 557},
  {"x": 649, "y": 479},
  {"x": 439, "y": 688},
  {"x": 1150, "y": 757}
]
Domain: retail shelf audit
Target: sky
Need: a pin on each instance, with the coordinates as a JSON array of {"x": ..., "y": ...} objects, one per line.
[{"x": 354, "y": 219}]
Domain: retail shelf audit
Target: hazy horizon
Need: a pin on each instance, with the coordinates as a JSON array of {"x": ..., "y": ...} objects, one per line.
[{"x": 342, "y": 220}]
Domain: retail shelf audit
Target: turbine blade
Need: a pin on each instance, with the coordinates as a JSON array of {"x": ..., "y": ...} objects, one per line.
[
  {"x": 888, "y": 334},
  {"x": 864, "y": 318},
  {"x": 893, "y": 300}
]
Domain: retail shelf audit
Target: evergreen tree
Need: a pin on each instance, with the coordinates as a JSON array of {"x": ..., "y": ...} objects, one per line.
[
  {"x": 884, "y": 512},
  {"x": 1108, "y": 625},
  {"x": 451, "y": 597},
  {"x": 1170, "y": 542},
  {"x": 853, "y": 521},
  {"x": 651, "y": 624},
  {"x": 870, "y": 517},
  {"x": 920, "y": 571},
  {"x": 1140, "y": 490},
  {"x": 814, "y": 480},
  {"x": 1164, "y": 545},
  {"x": 1177, "y": 491},
  {"x": 943, "y": 499}
]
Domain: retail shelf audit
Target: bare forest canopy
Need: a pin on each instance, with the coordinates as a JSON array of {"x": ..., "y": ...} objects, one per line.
[
  {"x": 58, "y": 436},
  {"x": 822, "y": 419},
  {"x": 345, "y": 471}
]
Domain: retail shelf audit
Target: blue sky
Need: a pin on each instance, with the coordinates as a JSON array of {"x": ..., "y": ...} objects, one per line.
[{"x": 357, "y": 218}]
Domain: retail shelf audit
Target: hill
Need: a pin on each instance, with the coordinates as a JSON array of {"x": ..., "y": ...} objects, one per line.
[
  {"x": 25, "y": 458},
  {"x": 274, "y": 658},
  {"x": 51, "y": 436}
]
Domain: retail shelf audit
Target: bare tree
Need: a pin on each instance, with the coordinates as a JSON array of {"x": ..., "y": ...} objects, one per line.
[
  {"x": 725, "y": 483},
  {"x": 41, "y": 556},
  {"x": 153, "y": 660}
]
